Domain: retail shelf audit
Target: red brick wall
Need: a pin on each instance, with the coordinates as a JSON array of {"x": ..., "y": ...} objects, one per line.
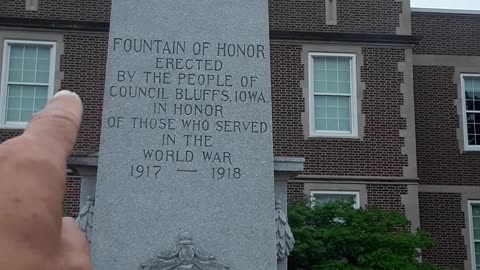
[
  {"x": 439, "y": 158},
  {"x": 74, "y": 10},
  {"x": 362, "y": 16},
  {"x": 295, "y": 192},
  {"x": 441, "y": 217},
  {"x": 287, "y": 99},
  {"x": 378, "y": 154},
  {"x": 383, "y": 196},
  {"x": 83, "y": 64},
  {"x": 71, "y": 201},
  {"x": 387, "y": 197},
  {"x": 446, "y": 34},
  {"x": 8, "y": 134},
  {"x": 353, "y": 16}
]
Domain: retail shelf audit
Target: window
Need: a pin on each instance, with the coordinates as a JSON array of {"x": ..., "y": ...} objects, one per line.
[
  {"x": 323, "y": 197},
  {"x": 27, "y": 80},
  {"x": 471, "y": 110},
  {"x": 474, "y": 215},
  {"x": 333, "y": 102}
]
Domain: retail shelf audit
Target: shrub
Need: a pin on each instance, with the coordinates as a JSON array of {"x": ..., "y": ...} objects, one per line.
[{"x": 335, "y": 236}]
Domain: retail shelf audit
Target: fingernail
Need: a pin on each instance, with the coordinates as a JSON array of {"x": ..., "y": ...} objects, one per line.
[{"x": 65, "y": 93}]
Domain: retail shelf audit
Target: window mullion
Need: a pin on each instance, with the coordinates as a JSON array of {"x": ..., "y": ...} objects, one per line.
[
  {"x": 332, "y": 94},
  {"x": 32, "y": 84}
]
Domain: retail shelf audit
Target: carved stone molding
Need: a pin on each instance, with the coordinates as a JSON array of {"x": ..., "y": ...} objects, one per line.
[
  {"x": 185, "y": 255},
  {"x": 85, "y": 217},
  {"x": 285, "y": 240}
]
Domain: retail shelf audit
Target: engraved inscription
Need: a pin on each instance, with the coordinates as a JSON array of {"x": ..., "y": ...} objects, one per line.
[
  {"x": 188, "y": 99},
  {"x": 184, "y": 256}
]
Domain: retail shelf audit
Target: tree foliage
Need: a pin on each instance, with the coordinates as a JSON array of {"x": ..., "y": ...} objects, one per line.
[{"x": 336, "y": 236}]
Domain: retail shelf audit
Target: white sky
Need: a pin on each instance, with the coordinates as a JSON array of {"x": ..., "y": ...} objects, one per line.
[{"x": 449, "y": 4}]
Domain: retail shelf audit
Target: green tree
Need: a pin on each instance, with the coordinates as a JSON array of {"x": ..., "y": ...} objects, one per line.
[{"x": 335, "y": 236}]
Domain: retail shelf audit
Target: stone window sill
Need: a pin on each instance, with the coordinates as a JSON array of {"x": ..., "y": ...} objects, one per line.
[{"x": 10, "y": 126}]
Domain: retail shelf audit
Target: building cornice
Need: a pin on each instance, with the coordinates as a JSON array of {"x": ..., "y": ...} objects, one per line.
[
  {"x": 352, "y": 178},
  {"x": 48, "y": 24},
  {"x": 61, "y": 25},
  {"x": 345, "y": 37}
]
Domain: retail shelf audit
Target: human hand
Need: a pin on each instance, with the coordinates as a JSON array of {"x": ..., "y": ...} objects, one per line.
[{"x": 33, "y": 234}]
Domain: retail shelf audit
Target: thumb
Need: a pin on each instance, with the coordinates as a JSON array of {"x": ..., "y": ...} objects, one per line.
[{"x": 75, "y": 249}]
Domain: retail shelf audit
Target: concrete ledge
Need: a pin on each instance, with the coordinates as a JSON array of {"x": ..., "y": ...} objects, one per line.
[
  {"x": 286, "y": 168},
  {"x": 90, "y": 160},
  {"x": 288, "y": 164},
  {"x": 282, "y": 165},
  {"x": 346, "y": 178}
]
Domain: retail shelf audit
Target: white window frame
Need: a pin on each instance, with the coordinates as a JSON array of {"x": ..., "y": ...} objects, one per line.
[
  {"x": 470, "y": 227},
  {"x": 4, "y": 78},
  {"x": 353, "y": 97},
  {"x": 334, "y": 192},
  {"x": 464, "y": 113}
]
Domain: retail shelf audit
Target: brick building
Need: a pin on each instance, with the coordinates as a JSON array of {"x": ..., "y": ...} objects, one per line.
[{"x": 378, "y": 98}]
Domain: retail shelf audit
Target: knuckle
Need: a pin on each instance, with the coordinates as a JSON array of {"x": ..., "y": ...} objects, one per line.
[
  {"x": 77, "y": 262},
  {"x": 33, "y": 156},
  {"x": 56, "y": 129},
  {"x": 56, "y": 117},
  {"x": 5, "y": 152}
]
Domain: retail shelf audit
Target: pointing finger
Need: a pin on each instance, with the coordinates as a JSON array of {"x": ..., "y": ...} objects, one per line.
[
  {"x": 33, "y": 174},
  {"x": 75, "y": 251},
  {"x": 56, "y": 127}
]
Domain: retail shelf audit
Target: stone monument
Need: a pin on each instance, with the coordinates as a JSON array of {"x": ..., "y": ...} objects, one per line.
[{"x": 185, "y": 176}]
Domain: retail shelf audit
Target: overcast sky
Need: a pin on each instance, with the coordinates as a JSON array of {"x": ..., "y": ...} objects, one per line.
[{"x": 450, "y": 4}]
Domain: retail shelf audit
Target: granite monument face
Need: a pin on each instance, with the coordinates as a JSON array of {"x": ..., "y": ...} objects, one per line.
[{"x": 185, "y": 176}]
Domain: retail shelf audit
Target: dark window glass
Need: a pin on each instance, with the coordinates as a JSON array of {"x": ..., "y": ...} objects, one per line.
[
  {"x": 471, "y": 128},
  {"x": 471, "y": 139},
  {"x": 469, "y": 105}
]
